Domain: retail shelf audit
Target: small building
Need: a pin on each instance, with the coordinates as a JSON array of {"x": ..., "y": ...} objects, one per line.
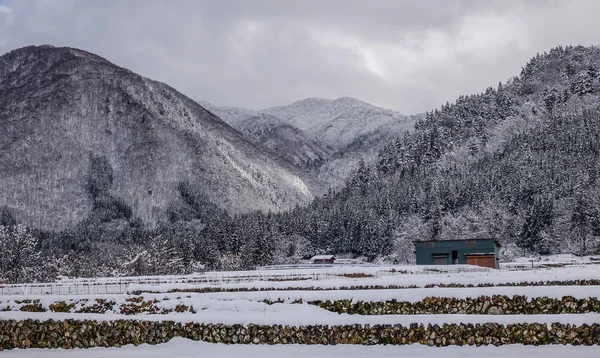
[
  {"x": 348, "y": 261},
  {"x": 480, "y": 252},
  {"x": 323, "y": 259}
]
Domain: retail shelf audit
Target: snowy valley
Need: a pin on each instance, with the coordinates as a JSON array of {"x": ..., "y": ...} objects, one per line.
[{"x": 299, "y": 179}]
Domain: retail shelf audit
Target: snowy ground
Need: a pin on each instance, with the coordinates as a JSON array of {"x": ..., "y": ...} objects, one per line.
[
  {"x": 550, "y": 261},
  {"x": 249, "y": 308},
  {"x": 313, "y": 273},
  {"x": 495, "y": 277},
  {"x": 202, "y": 301},
  {"x": 180, "y": 348},
  {"x": 554, "y": 268},
  {"x": 305, "y": 315},
  {"x": 322, "y": 284}
]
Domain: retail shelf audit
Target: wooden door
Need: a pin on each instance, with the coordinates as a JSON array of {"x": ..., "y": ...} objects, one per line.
[{"x": 482, "y": 260}]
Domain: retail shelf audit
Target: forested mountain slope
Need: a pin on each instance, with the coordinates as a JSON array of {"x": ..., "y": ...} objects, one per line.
[
  {"x": 518, "y": 162},
  {"x": 288, "y": 142},
  {"x": 338, "y": 122},
  {"x": 82, "y": 138},
  {"x": 325, "y": 138}
]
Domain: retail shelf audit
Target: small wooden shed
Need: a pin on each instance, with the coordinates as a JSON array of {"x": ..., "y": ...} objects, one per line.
[
  {"x": 323, "y": 259},
  {"x": 480, "y": 252}
]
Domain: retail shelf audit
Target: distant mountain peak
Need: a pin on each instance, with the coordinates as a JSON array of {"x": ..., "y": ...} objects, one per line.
[
  {"x": 350, "y": 100},
  {"x": 328, "y": 136},
  {"x": 337, "y": 122},
  {"x": 50, "y": 53}
]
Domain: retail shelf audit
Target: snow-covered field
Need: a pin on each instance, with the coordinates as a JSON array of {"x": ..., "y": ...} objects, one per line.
[
  {"x": 563, "y": 260},
  {"x": 249, "y": 307},
  {"x": 305, "y": 315},
  {"x": 181, "y": 348},
  {"x": 493, "y": 277},
  {"x": 334, "y": 277},
  {"x": 272, "y": 274},
  {"x": 552, "y": 268},
  {"x": 202, "y": 301}
]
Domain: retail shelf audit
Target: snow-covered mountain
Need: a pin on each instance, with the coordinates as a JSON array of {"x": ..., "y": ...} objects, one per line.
[
  {"x": 339, "y": 122},
  {"x": 284, "y": 140},
  {"x": 84, "y": 139},
  {"x": 328, "y": 137},
  {"x": 234, "y": 115}
]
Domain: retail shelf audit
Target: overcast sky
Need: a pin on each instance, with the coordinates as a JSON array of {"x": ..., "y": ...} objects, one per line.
[{"x": 411, "y": 56}]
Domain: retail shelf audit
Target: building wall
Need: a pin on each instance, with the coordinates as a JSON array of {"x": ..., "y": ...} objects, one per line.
[{"x": 425, "y": 255}]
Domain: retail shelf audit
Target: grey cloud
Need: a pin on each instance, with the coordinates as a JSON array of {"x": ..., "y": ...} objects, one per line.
[{"x": 407, "y": 55}]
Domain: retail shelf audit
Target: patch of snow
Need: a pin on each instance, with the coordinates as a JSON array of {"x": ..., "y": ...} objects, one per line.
[
  {"x": 183, "y": 348},
  {"x": 246, "y": 313},
  {"x": 311, "y": 276},
  {"x": 412, "y": 295},
  {"x": 331, "y": 279},
  {"x": 230, "y": 300}
]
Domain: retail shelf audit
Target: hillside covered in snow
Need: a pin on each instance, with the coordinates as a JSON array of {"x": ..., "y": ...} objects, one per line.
[
  {"x": 325, "y": 137},
  {"x": 85, "y": 140}
]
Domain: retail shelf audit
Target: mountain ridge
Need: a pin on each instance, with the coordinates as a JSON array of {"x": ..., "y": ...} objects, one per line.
[
  {"x": 337, "y": 133},
  {"x": 58, "y": 103}
]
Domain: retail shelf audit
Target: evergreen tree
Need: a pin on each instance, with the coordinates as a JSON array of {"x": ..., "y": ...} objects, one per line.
[
  {"x": 19, "y": 254},
  {"x": 537, "y": 220},
  {"x": 582, "y": 84}
]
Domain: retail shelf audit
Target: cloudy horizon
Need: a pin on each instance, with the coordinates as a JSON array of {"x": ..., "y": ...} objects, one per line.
[{"x": 411, "y": 56}]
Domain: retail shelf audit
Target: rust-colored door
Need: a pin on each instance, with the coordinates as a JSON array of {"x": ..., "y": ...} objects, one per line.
[{"x": 482, "y": 260}]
